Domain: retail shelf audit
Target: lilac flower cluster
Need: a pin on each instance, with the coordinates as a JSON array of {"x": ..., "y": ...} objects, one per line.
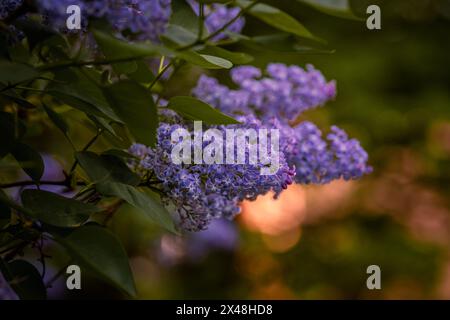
[
  {"x": 281, "y": 97},
  {"x": 201, "y": 192},
  {"x": 217, "y": 15},
  {"x": 144, "y": 19},
  {"x": 318, "y": 160},
  {"x": 285, "y": 92},
  {"x": 9, "y": 6}
]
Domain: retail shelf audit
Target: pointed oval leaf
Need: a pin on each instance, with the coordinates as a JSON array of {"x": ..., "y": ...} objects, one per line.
[
  {"x": 56, "y": 210},
  {"x": 106, "y": 167},
  {"x": 338, "y": 8},
  {"x": 149, "y": 205},
  {"x": 233, "y": 57},
  {"x": 195, "y": 109},
  {"x": 59, "y": 121},
  {"x": 29, "y": 159},
  {"x": 24, "y": 279},
  {"x": 100, "y": 250},
  {"x": 12, "y": 73},
  {"x": 135, "y": 107},
  {"x": 278, "y": 19}
]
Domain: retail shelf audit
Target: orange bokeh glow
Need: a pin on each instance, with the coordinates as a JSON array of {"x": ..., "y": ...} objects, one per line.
[{"x": 275, "y": 216}]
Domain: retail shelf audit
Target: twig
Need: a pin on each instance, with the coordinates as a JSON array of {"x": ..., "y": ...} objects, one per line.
[
  {"x": 43, "y": 182},
  {"x": 86, "y": 147},
  {"x": 201, "y": 20},
  {"x": 160, "y": 74},
  {"x": 223, "y": 28}
]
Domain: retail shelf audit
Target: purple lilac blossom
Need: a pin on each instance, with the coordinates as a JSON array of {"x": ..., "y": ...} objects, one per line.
[
  {"x": 283, "y": 92},
  {"x": 320, "y": 160},
  {"x": 277, "y": 100},
  {"x": 217, "y": 15},
  {"x": 146, "y": 20},
  {"x": 202, "y": 192},
  {"x": 8, "y": 6}
]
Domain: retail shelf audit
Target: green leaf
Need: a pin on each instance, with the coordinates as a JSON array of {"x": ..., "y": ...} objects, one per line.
[
  {"x": 195, "y": 109},
  {"x": 280, "y": 42},
  {"x": 106, "y": 167},
  {"x": 56, "y": 210},
  {"x": 278, "y": 19},
  {"x": 13, "y": 97},
  {"x": 184, "y": 16},
  {"x": 221, "y": 62},
  {"x": 83, "y": 93},
  {"x": 149, "y": 205},
  {"x": 338, "y": 8},
  {"x": 204, "y": 61},
  {"x": 13, "y": 73},
  {"x": 76, "y": 103},
  {"x": 115, "y": 49},
  {"x": 178, "y": 36},
  {"x": 5, "y": 210},
  {"x": 59, "y": 121},
  {"x": 101, "y": 251},
  {"x": 36, "y": 32},
  {"x": 102, "y": 123},
  {"x": 24, "y": 279},
  {"x": 143, "y": 74},
  {"x": 29, "y": 159},
  {"x": 234, "y": 57},
  {"x": 135, "y": 107},
  {"x": 7, "y": 133},
  {"x": 120, "y": 154}
]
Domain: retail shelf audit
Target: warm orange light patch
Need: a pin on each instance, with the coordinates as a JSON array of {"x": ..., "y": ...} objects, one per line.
[{"x": 275, "y": 216}]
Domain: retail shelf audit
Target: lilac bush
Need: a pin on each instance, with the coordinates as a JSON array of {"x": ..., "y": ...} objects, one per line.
[{"x": 103, "y": 75}]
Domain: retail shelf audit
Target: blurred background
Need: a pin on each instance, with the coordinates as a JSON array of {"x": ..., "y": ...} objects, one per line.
[{"x": 315, "y": 242}]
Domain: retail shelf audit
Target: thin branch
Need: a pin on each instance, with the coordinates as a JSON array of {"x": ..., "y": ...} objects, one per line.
[
  {"x": 201, "y": 20},
  {"x": 43, "y": 182},
  {"x": 86, "y": 147},
  {"x": 68, "y": 64},
  {"x": 223, "y": 28},
  {"x": 160, "y": 74}
]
